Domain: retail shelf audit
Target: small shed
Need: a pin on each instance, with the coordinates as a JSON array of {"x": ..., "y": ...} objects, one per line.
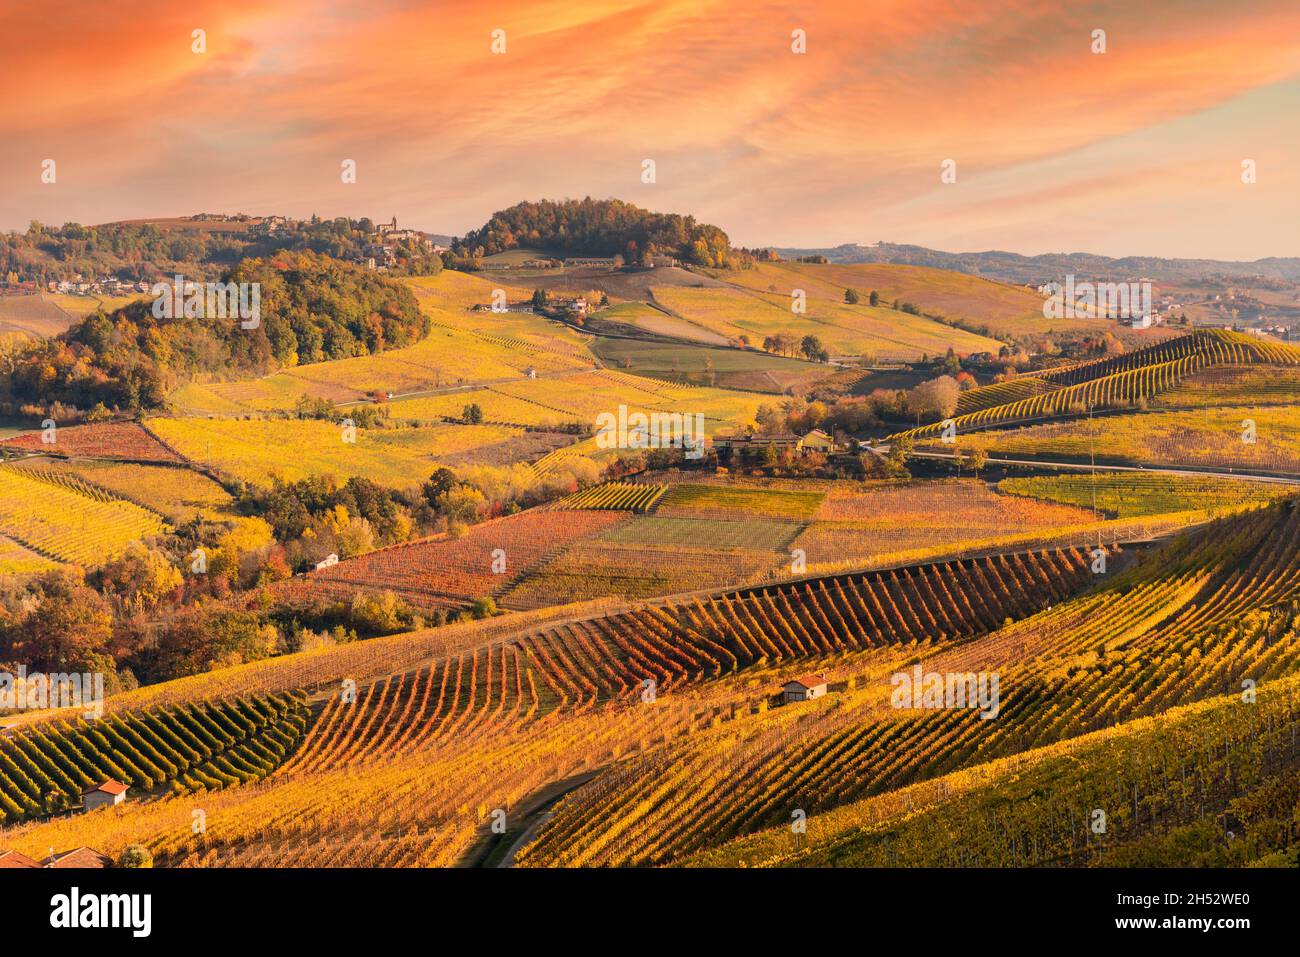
[
  {"x": 327, "y": 561},
  {"x": 104, "y": 795},
  {"x": 804, "y": 689}
]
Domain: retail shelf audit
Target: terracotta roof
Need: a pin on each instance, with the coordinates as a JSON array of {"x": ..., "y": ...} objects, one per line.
[
  {"x": 82, "y": 857},
  {"x": 108, "y": 787},
  {"x": 15, "y": 859},
  {"x": 808, "y": 681}
]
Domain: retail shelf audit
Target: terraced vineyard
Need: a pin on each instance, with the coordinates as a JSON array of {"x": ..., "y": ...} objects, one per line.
[
  {"x": 729, "y": 532},
  {"x": 940, "y": 516},
  {"x": 1215, "y": 346},
  {"x": 615, "y": 496},
  {"x": 176, "y": 492},
  {"x": 126, "y": 441},
  {"x": 1218, "y": 386},
  {"x": 707, "y": 637},
  {"x": 1166, "y": 788},
  {"x": 1117, "y": 382},
  {"x": 1002, "y": 393},
  {"x": 451, "y": 572},
  {"x": 201, "y": 747},
  {"x": 16, "y": 560},
  {"x": 67, "y": 520},
  {"x": 1218, "y": 439},
  {"x": 657, "y": 698},
  {"x": 406, "y": 713},
  {"x": 1188, "y": 623}
]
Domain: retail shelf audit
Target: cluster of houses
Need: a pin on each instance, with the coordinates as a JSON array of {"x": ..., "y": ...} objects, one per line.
[
  {"x": 574, "y": 306},
  {"x": 1277, "y": 332},
  {"x": 81, "y": 858},
  {"x": 816, "y": 441},
  {"x": 79, "y": 285},
  {"x": 272, "y": 226},
  {"x": 381, "y": 253},
  {"x": 578, "y": 305},
  {"x": 106, "y": 794}
]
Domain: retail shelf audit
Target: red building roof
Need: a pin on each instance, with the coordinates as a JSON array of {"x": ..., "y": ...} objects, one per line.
[
  {"x": 808, "y": 681},
  {"x": 108, "y": 787},
  {"x": 15, "y": 859},
  {"x": 81, "y": 857}
]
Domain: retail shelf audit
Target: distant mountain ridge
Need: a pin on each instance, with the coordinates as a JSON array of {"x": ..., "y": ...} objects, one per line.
[{"x": 1016, "y": 268}]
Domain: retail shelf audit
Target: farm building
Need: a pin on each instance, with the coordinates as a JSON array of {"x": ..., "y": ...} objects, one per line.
[
  {"x": 327, "y": 561},
  {"x": 778, "y": 440},
  {"x": 817, "y": 441},
  {"x": 814, "y": 441},
  {"x": 81, "y": 857},
  {"x": 589, "y": 261},
  {"x": 578, "y": 305},
  {"x": 804, "y": 689},
  {"x": 13, "y": 859},
  {"x": 103, "y": 795}
]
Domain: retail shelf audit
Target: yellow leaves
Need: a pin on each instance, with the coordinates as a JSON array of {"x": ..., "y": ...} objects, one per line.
[
  {"x": 248, "y": 534},
  {"x": 68, "y": 522}
]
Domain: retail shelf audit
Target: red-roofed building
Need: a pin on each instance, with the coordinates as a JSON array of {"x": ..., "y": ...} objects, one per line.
[
  {"x": 805, "y": 688},
  {"x": 104, "y": 795},
  {"x": 15, "y": 859},
  {"x": 81, "y": 857}
]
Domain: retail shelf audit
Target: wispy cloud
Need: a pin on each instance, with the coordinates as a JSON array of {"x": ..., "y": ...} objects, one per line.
[{"x": 841, "y": 144}]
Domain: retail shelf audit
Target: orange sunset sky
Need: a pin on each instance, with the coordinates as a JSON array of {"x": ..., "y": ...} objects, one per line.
[{"x": 1137, "y": 151}]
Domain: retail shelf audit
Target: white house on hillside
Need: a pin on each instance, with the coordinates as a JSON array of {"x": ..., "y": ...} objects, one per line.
[
  {"x": 805, "y": 688},
  {"x": 104, "y": 795}
]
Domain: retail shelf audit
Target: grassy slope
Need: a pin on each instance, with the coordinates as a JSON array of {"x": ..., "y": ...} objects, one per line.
[
  {"x": 843, "y": 329},
  {"x": 975, "y": 303}
]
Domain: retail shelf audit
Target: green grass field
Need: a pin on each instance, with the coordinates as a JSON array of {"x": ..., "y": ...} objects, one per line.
[{"x": 702, "y": 365}]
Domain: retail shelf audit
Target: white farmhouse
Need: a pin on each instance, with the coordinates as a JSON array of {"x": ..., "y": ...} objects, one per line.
[
  {"x": 805, "y": 688},
  {"x": 104, "y": 795}
]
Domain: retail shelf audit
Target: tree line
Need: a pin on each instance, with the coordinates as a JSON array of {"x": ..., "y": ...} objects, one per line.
[{"x": 598, "y": 227}]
